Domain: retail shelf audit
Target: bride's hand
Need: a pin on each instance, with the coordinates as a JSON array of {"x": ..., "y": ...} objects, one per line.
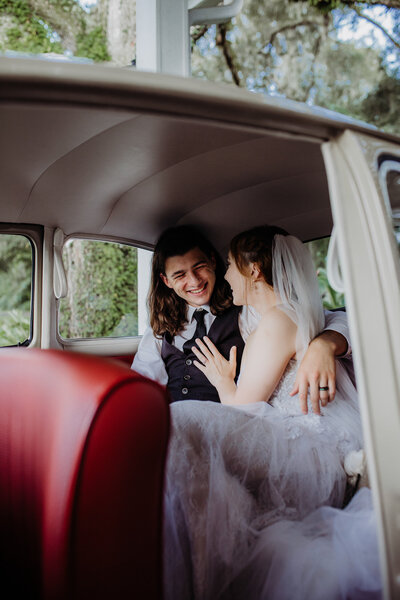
[{"x": 211, "y": 362}]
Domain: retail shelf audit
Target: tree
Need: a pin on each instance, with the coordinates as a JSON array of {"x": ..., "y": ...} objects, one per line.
[
  {"x": 292, "y": 49},
  {"x": 15, "y": 272},
  {"x": 65, "y": 27},
  {"x": 386, "y": 21},
  {"x": 102, "y": 290},
  {"x": 15, "y": 288}
]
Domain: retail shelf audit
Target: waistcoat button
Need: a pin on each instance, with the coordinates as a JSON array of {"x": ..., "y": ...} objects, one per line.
[
  {"x": 186, "y": 377},
  {"x": 184, "y": 390},
  {"x": 188, "y": 361}
]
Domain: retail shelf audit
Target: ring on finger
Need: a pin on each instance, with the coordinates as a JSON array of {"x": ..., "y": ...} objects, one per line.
[{"x": 324, "y": 388}]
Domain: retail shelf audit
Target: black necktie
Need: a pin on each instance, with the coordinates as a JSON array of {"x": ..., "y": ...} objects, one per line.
[{"x": 200, "y": 330}]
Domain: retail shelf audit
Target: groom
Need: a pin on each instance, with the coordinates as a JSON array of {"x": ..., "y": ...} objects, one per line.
[{"x": 189, "y": 298}]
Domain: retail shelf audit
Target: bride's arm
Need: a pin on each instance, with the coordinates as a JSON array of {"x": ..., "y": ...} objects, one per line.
[{"x": 266, "y": 355}]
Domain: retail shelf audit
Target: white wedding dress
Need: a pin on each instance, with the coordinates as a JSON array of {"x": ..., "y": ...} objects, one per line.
[{"x": 244, "y": 491}]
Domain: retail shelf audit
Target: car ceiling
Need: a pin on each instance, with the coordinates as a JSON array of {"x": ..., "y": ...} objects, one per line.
[{"x": 103, "y": 169}]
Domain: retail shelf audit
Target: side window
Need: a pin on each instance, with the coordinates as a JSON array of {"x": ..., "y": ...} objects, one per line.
[
  {"x": 331, "y": 298},
  {"x": 107, "y": 286},
  {"x": 16, "y": 265},
  {"x": 390, "y": 182}
]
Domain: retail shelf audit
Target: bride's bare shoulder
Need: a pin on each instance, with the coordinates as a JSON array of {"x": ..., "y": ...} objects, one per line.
[{"x": 277, "y": 321}]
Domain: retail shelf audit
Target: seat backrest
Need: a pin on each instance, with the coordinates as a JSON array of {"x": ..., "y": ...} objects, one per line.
[{"x": 82, "y": 450}]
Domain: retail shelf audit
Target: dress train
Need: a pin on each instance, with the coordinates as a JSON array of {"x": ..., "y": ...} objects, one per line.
[{"x": 246, "y": 486}]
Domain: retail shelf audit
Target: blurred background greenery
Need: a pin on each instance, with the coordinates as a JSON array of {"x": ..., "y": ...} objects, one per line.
[
  {"x": 102, "y": 290},
  {"x": 15, "y": 289}
]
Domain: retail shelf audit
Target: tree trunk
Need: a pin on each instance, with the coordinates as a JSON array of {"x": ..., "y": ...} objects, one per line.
[{"x": 121, "y": 31}]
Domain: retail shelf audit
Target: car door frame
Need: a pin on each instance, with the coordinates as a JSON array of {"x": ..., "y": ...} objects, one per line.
[{"x": 371, "y": 276}]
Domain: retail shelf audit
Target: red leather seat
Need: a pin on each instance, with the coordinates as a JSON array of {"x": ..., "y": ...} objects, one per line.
[{"x": 82, "y": 450}]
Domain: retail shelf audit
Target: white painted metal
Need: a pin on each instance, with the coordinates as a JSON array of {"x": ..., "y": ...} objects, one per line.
[
  {"x": 48, "y": 305},
  {"x": 143, "y": 279},
  {"x": 162, "y": 36},
  {"x": 203, "y": 3},
  {"x": 121, "y": 346},
  {"x": 218, "y": 14},
  {"x": 60, "y": 278},
  {"x": 371, "y": 274},
  {"x": 163, "y": 31}
]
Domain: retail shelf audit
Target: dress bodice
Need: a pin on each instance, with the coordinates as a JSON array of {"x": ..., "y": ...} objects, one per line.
[{"x": 281, "y": 396}]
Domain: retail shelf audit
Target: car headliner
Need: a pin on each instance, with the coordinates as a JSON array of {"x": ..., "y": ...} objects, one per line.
[{"x": 119, "y": 153}]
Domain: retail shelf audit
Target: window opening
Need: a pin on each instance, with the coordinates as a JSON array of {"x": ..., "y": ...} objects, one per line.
[
  {"x": 16, "y": 286},
  {"x": 390, "y": 183},
  {"x": 103, "y": 281},
  {"x": 331, "y": 299}
]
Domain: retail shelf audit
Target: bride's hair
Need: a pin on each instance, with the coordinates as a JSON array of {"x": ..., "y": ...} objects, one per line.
[
  {"x": 287, "y": 266},
  {"x": 256, "y": 246}
]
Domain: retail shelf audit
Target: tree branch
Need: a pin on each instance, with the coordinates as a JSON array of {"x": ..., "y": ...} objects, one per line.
[
  {"x": 67, "y": 23},
  {"x": 305, "y": 22},
  {"x": 383, "y": 3},
  {"x": 376, "y": 24},
  {"x": 198, "y": 33},
  {"x": 328, "y": 5},
  {"x": 225, "y": 45}
]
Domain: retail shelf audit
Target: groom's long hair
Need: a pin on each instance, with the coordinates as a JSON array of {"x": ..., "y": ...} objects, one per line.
[{"x": 167, "y": 310}]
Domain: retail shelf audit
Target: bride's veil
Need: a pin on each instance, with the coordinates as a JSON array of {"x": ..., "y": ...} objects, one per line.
[{"x": 295, "y": 282}]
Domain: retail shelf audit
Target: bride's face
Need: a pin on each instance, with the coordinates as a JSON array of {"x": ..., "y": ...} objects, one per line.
[{"x": 239, "y": 283}]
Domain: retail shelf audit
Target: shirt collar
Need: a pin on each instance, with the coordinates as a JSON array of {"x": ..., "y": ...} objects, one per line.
[{"x": 191, "y": 310}]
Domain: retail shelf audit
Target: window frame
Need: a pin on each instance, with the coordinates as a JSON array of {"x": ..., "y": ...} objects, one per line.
[
  {"x": 342, "y": 307},
  {"x": 371, "y": 276},
  {"x": 101, "y": 346},
  {"x": 389, "y": 163},
  {"x": 34, "y": 234}
]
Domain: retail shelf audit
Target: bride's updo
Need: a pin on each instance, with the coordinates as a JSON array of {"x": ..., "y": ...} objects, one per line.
[
  {"x": 256, "y": 245},
  {"x": 287, "y": 266}
]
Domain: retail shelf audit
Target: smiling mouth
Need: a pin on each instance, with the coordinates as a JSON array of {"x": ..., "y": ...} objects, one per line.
[{"x": 198, "y": 291}]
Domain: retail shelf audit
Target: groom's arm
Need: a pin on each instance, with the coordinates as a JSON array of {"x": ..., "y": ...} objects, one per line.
[
  {"x": 336, "y": 322},
  {"x": 148, "y": 361},
  {"x": 318, "y": 367}
]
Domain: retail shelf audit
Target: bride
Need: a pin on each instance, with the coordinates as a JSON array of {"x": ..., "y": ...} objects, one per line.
[{"x": 247, "y": 479}]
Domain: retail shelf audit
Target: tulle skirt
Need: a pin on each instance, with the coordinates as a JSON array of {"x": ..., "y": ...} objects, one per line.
[
  {"x": 239, "y": 481},
  {"x": 332, "y": 554}
]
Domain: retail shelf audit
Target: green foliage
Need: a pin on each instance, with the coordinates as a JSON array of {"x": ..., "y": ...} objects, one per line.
[
  {"x": 92, "y": 44},
  {"x": 102, "y": 290},
  {"x": 15, "y": 288},
  {"x": 14, "y": 327},
  {"x": 381, "y": 106},
  {"x": 15, "y": 272},
  {"x": 28, "y": 33},
  {"x": 330, "y": 297},
  {"x": 53, "y": 26}
]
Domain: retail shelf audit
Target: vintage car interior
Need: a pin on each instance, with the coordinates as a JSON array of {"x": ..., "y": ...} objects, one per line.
[{"x": 119, "y": 155}]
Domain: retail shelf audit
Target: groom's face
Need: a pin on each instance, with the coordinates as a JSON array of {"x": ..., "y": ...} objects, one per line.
[{"x": 191, "y": 276}]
